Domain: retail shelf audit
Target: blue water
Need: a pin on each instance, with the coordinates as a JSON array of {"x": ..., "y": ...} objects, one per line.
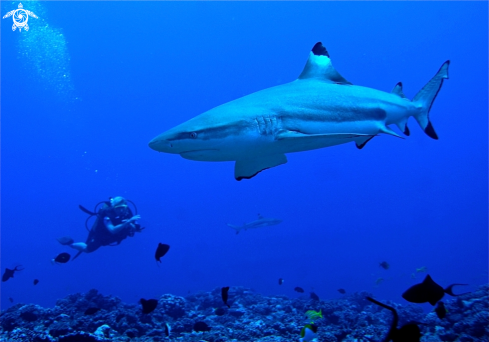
[{"x": 91, "y": 83}]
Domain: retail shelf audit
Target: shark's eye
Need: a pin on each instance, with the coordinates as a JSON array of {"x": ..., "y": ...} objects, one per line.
[{"x": 193, "y": 135}]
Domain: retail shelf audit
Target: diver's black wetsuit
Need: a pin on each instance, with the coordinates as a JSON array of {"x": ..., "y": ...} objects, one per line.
[{"x": 99, "y": 234}]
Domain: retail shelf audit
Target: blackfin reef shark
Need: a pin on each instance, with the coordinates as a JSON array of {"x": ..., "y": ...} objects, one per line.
[
  {"x": 319, "y": 109},
  {"x": 260, "y": 222}
]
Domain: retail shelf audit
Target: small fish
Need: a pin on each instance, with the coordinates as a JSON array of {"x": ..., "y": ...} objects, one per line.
[
  {"x": 10, "y": 273},
  {"x": 148, "y": 305},
  {"x": 280, "y": 281},
  {"x": 61, "y": 258},
  {"x": 408, "y": 332},
  {"x": 161, "y": 251},
  {"x": 314, "y": 296},
  {"x": 167, "y": 330},
  {"x": 201, "y": 326},
  {"x": 384, "y": 265},
  {"x": 299, "y": 289},
  {"x": 11, "y": 299},
  {"x": 308, "y": 333},
  {"x": 219, "y": 312},
  {"x": 311, "y": 314},
  {"x": 342, "y": 291},
  {"x": 422, "y": 269},
  {"x": 441, "y": 310},
  {"x": 224, "y": 295},
  {"x": 91, "y": 311},
  {"x": 378, "y": 281},
  {"x": 36, "y": 281},
  {"x": 428, "y": 291}
]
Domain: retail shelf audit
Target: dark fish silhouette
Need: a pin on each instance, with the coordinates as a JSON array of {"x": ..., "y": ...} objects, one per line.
[
  {"x": 280, "y": 281},
  {"x": 11, "y": 299},
  {"x": 36, "y": 281},
  {"x": 148, "y": 305},
  {"x": 314, "y": 296},
  {"x": 409, "y": 332},
  {"x": 299, "y": 289},
  {"x": 201, "y": 326},
  {"x": 428, "y": 292},
  {"x": 62, "y": 258},
  {"x": 384, "y": 265},
  {"x": 220, "y": 312},
  {"x": 161, "y": 251},
  {"x": 224, "y": 295},
  {"x": 441, "y": 310},
  {"x": 10, "y": 273},
  {"x": 342, "y": 291},
  {"x": 91, "y": 311}
]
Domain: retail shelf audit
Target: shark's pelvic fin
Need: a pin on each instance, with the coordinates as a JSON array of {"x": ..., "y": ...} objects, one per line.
[
  {"x": 248, "y": 168},
  {"x": 319, "y": 67},
  {"x": 425, "y": 98},
  {"x": 403, "y": 126},
  {"x": 398, "y": 90},
  {"x": 361, "y": 142}
]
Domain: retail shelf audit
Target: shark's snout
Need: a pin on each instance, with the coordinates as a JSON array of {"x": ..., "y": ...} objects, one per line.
[{"x": 161, "y": 145}]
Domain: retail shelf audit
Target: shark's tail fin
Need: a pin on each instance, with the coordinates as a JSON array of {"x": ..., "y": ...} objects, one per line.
[
  {"x": 425, "y": 98},
  {"x": 237, "y": 228}
]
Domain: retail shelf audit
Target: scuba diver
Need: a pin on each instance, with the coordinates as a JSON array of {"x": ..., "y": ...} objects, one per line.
[{"x": 114, "y": 222}]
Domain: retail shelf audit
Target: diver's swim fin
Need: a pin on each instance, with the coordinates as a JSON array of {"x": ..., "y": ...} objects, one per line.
[
  {"x": 85, "y": 210},
  {"x": 65, "y": 240},
  {"x": 77, "y": 254}
]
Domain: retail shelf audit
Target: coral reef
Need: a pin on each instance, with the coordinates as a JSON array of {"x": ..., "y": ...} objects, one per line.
[{"x": 251, "y": 317}]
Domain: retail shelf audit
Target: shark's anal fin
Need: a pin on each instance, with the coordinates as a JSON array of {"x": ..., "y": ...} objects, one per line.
[{"x": 248, "y": 168}]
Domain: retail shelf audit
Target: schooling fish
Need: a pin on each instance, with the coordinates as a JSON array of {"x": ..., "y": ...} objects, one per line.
[
  {"x": 342, "y": 291},
  {"x": 161, "y": 251},
  {"x": 219, "y": 312},
  {"x": 91, "y": 311},
  {"x": 11, "y": 299},
  {"x": 10, "y": 273},
  {"x": 167, "y": 330},
  {"x": 314, "y": 296},
  {"x": 384, "y": 265},
  {"x": 61, "y": 258},
  {"x": 224, "y": 295},
  {"x": 308, "y": 333},
  {"x": 280, "y": 281},
  {"x": 201, "y": 326},
  {"x": 428, "y": 291},
  {"x": 36, "y": 281},
  {"x": 299, "y": 289},
  {"x": 441, "y": 310},
  {"x": 407, "y": 333},
  {"x": 148, "y": 305}
]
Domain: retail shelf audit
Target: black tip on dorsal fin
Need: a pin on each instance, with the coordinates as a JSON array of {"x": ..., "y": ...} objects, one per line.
[
  {"x": 430, "y": 131},
  {"x": 320, "y": 50}
]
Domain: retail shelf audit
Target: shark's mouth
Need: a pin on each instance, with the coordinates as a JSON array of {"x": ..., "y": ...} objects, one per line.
[{"x": 202, "y": 155}]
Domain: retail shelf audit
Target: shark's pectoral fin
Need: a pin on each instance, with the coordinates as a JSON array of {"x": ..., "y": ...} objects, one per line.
[{"x": 248, "y": 168}]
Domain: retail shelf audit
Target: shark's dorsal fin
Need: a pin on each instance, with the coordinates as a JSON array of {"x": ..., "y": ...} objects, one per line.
[
  {"x": 319, "y": 67},
  {"x": 398, "y": 90}
]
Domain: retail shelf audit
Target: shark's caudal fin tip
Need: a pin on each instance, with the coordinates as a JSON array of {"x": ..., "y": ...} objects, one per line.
[
  {"x": 320, "y": 50},
  {"x": 430, "y": 131}
]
